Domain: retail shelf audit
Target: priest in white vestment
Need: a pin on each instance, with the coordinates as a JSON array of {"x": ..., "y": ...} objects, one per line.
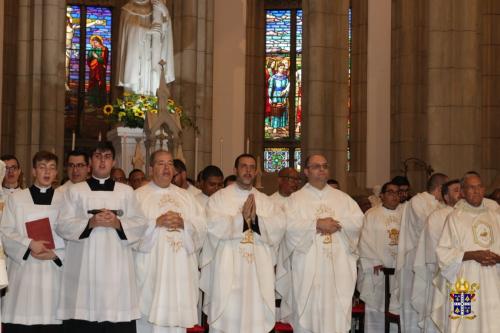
[
  {"x": 468, "y": 254},
  {"x": 323, "y": 226},
  {"x": 378, "y": 248},
  {"x": 145, "y": 38},
  {"x": 415, "y": 214},
  {"x": 425, "y": 265},
  {"x": 4, "y": 281},
  {"x": 101, "y": 220},
  {"x": 77, "y": 169},
  {"x": 237, "y": 259},
  {"x": 166, "y": 258},
  {"x": 34, "y": 265},
  {"x": 288, "y": 183}
]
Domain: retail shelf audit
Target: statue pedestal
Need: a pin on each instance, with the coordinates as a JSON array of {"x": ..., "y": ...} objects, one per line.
[{"x": 125, "y": 140}]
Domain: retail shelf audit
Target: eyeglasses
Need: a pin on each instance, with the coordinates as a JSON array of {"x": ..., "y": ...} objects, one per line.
[
  {"x": 12, "y": 168},
  {"x": 77, "y": 166},
  {"x": 291, "y": 179},
  {"x": 318, "y": 166}
]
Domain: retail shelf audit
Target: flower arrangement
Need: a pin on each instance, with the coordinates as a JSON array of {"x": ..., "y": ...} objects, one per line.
[{"x": 132, "y": 108}]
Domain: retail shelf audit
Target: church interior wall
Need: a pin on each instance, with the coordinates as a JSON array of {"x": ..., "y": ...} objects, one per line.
[{"x": 444, "y": 105}]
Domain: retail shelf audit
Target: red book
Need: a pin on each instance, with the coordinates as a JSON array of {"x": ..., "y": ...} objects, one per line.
[{"x": 41, "y": 230}]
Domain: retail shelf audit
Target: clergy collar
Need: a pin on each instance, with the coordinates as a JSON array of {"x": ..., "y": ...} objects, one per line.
[
  {"x": 41, "y": 196},
  {"x": 11, "y": 188},
  {"x": 101, "y": 184},
  {"x": 463, "y": 204}
]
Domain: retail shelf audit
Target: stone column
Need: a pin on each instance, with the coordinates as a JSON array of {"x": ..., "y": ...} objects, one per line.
[
  {"x": 193, "y": 22},
  {"x": 489, "y": 48},
  {"x": 357, "y": 175},
  {"x": 408, "y": 92},
  {"x": 453, "y": 104},
  {"x": 325, "y": 77},
  {"x": 39, "y": 80}
]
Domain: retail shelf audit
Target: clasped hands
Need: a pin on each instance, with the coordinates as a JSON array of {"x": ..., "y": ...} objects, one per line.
[
  {"x": 170, "y": 220},
  {"x": 484, "y": 257},
  {"x": 106, "y": 219},
  {"x": 327, "y": 226},
  {"x": 249, "y": 210}
]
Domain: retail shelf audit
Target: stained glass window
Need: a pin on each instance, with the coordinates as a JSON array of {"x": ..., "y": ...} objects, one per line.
[
  {"x": 88, "y": 67},
  {"x": 276, "y": 159},
  {"x": 283, "y": 85}
]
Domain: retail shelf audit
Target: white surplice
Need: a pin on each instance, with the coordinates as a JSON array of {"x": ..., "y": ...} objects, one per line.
[
  {"x": 166, "y": 261},
  {"x": 378, "y": 245},
  {"x": 99, "y": 282},
  {"x": 34, "y": 285},
  {"x": 323, "y": 274},
  {"x": 425, "y": 268},
  {"x": 415, "y": 214},
  {"x": 193, "y": 189},
  {"x": 471, "y": 228},
  {"x": 202, "y": 199},
  {"x": 237, "y": 278}
]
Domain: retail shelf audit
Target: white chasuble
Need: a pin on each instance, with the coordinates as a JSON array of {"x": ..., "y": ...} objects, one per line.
[
  {"x": 378, "y": 245},
  {"x": 34, "y": 285},
  {"x": 238, "y": 277},
  {"x": 323, "y": 268},
  {"x": 415, "y": 214},
  {"x": 425, "y": 268},
  {"x": 473, "y": 289},
  {"x": 99, "y": 282},
  {"x": 166, "y": 260}
]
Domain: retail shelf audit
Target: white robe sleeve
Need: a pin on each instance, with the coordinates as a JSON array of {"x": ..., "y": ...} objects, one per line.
[
  {"x": 15, "y": 245},
  {"x": 449, "y": 251},
  {"x": 351, "y": 220},
  {"x": 195, "y": 227},
  {"x": 133, "y": 222},
  {"x": 71, "y": 223}
]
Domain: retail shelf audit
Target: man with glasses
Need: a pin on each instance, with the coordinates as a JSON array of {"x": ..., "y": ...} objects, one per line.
[
  {"x": 378, "y": 248},
  {"x": 77, "y": 168},
  {"x": 323, "y": 226},
  {"x": 100, "y": 220},
  {"x": 237, "y": 259},
  {"x": 288, "y": 183},
  {"x": 11, "y": 183},
  {"x": 404, "y": 188},
  {"x": 468, "y": 254},
  {"x": 167, "y": 257}
]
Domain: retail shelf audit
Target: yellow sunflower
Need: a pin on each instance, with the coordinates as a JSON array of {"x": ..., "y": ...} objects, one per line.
[
  {"x": 153, "y": 111},
  {"x": 107, "y": 109},
  {"x": 129, "y": 104},
  {"x": 170, "y": 102},
  {"x": 139, "y": 113},
  {"x": 126, "y": 94},
  {"x": 178, "y": 110}
]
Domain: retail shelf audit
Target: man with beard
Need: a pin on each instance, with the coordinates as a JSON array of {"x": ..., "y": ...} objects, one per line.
[{"x": 237, "y": 258}]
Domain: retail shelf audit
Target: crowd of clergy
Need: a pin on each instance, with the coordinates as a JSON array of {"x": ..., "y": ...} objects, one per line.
[{"x": 130, "y": 253}]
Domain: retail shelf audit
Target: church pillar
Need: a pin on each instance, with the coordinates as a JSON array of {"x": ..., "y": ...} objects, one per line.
[
  {"x": 2, "y": 22},
  {"x": 229, "y": 83},
  {"x": 453, "y": 104},
  {"x": 489, "y": 48},
  {"x": 325, "y": 76},
  {"x": 357, "y": 175},
  {"x": 408, "y": 93},
  {"x": 39, "y": 79},
  {"x": 193, "y": 44},
  {"x": 378, "y": 93}
]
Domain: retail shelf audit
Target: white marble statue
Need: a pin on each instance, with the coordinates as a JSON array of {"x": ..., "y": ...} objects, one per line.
[{"x": 145, "y": 39}]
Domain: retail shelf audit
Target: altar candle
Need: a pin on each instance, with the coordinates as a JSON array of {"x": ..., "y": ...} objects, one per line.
[
  {"x": 248, "y": 146},
  {"x": 73, "y": 140},
  {"x": 221, "y": 150},
  {"x": 99, "y": 139},
  {"x": 196, "y": 155}
]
